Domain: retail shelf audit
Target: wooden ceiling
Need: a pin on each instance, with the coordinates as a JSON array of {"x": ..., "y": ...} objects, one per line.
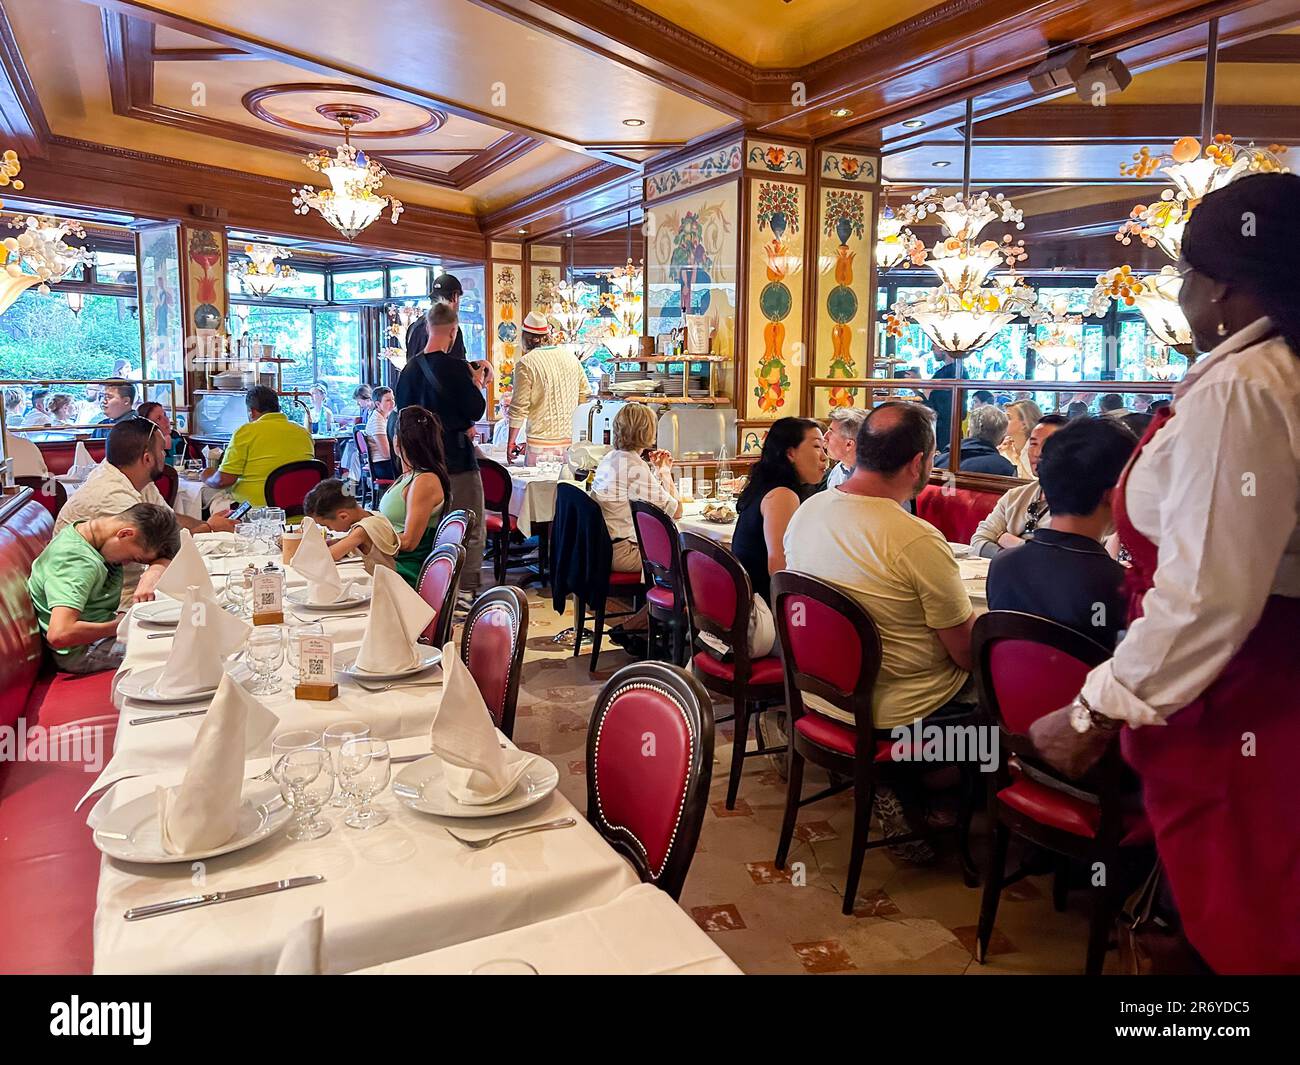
[{"x": 535, "y": 118}]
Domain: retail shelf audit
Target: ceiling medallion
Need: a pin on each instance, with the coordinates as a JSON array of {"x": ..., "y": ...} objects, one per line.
[
  {"x": 291, "y": 105},
  {"x": 260, "y": 274},
  {"x": 352, "y": 201}
]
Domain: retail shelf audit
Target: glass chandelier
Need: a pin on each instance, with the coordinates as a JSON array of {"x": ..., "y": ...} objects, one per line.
[
  {"x": 894, "y": 241},
  {"x": 260, "y": 274},
  {"x": 567, "y": 311},
  {"x": 40, "y": 255},
  {"x": 1058, "y": 345},
  {"x": 352, "y": 201}
]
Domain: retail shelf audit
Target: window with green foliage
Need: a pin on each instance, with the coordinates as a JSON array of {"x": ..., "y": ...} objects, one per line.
[
  {"x": 359, "y": 285},
  {"x": 408, "y": 281},
  {"x": 40, "y": 337}
]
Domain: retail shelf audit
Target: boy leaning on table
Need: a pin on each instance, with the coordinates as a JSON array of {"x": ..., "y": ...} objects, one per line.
[
  {"x": 371, "y": 535},
  {"x": 76, "y": 582}
]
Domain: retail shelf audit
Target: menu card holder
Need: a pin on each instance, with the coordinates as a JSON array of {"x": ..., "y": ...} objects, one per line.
[
  {"x": 268, "y": 597},
  {"x": 316, "y": 670}
]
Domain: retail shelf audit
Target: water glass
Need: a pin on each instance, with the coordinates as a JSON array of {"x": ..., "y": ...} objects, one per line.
[
  {"x": 266, "y": 653},
  {"x": 248, "y": 532},
  {"x": 237, "y": 592},
  {"x": 364, "y": 767},
  {"x": 306, "y": 780},
  {"x": 296, "y": 635},
  {"x": 334, "y": 737}
]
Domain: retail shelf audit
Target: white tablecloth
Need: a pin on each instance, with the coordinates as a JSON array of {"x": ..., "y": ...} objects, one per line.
[
  {"x": 189, "y": 495},
  {"x": 534, "y": 497},
  {"x": 691, "y": 521},
  {"x": 403, "y": 888},
  {"x": 642, "y": 932}
]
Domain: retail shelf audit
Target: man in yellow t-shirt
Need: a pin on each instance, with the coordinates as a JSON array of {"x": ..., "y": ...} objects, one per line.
[
  {"x": 900, "y": 568},
  {"x": 267, "y": 442}
]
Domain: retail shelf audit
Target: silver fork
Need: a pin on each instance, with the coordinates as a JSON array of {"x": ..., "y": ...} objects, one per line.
[
  {"x": 510, "y": 833},
  {"x": 396, "y": 684}
]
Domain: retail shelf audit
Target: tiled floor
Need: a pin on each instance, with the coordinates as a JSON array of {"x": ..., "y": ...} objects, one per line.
[{"x": 907, "y": 919}]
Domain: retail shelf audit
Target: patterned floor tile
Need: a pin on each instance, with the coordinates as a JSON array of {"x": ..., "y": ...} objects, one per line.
[
  {"x": 724, "y": 918},
  {"x": 824, "y": 956}
]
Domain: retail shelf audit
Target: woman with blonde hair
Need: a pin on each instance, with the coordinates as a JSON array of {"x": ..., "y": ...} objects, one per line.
[
  {"x": 633, "y": 469},
  {"x": 1022, "y": 416}
]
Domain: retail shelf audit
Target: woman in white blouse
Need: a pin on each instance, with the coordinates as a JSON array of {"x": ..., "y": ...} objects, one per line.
[
  {"x": 634, "y": 469},
  {"x": 1207, "y": 680},
  {"x": 1022, "y": 416}
]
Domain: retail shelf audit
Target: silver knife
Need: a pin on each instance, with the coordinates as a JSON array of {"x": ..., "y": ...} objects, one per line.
[
  {"x": 138, "y": 913},
  {"x": 167, "y": 717}
]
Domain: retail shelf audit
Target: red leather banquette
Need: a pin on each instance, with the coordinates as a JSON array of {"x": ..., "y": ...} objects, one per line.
[
  {"x": 58, "y": 454},
  {"x": 49, "y": 868},
  {"x": 955, "y": 512}
]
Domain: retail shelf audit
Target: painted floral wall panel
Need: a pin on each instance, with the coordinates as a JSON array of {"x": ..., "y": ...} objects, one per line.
[
  {"x": 505, "y": 321},
  {"x": 160, "y": 310},
  {"x": 692, "y": 251},
  {"x": 775, "y": 355},
  {"x": 843, "y": 298},
  {"x": 205, "y": 287},
  {"x": 543, "y": 277}
]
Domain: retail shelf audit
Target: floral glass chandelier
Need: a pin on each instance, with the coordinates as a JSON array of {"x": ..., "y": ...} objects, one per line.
[
  {"x": 352, "y": 201},
  {"x": 966, "y": 310},
  {"x": 894, "y": 241},
  {"x": 260, "y": 274},
  {"x": 40, "y": 255},
  {"x": 568, "y": 308}
]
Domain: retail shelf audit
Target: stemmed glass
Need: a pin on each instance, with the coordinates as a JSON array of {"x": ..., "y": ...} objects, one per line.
[
  {"x": 247, "y": 531},
  {"x": 266, "y": 652},
  {"x": 306, "y": 780},
  {"x": 364, "y": 765},
  {"x": 237, "y": 592},
  {"x": 296, "y": 634},
  {"x": 334, "y": 737}
]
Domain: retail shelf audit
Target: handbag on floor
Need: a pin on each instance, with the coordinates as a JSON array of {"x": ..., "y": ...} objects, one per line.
[{"x": 1151, "y": 940}]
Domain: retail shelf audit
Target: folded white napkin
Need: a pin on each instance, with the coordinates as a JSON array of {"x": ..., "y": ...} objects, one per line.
[
  {"x": 397, "y": 617},
  {"x": 205, "y": 636},
  {"x": 301, "y": 954},
  {"x": 186, "y": 569},
  {"x": 81, "y": 460},
  {"x": 202, "y": 812},
  {"x": 313, "y": 561},
  {"x": 211, "y": 455},
  {"x": 476, "y": 767}
]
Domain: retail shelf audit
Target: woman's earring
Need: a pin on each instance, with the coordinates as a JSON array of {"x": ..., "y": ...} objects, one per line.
[{"x": 1223, "y": 329}]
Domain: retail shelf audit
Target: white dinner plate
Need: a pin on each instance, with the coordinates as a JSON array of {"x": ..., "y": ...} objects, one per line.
[
  {"x": 164, "y": 613},
  {"x": 131, "y": 833},
  {"x": 138, "y": 686},
  {"x": 359, "y": 595},
  {"x": 345, "y": 665},
  {"x": 420, "y": 786}
]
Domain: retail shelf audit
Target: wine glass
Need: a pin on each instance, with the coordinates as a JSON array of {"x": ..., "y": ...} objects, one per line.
[
  {"x": 247, "y": 531},
  {"x": 266, "y": 652},
  {"x": 364, "y": 766},
  {"x": 296, "y": 634},
  {"x": 237, "y": 592},
  {"x": 334, "y": 737},
  {"x": 306, "y": 780}
]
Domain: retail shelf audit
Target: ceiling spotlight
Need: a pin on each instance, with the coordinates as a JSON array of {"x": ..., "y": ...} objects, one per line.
[
  {"x": 941, "y": 162},
  {"x": 914, "y": 123},
  {"x": 634, "y": 121},
  {"x": 569, "y": 233},
  {"x": 522, "y": 232},
  {"x": 841, "y": 112}
]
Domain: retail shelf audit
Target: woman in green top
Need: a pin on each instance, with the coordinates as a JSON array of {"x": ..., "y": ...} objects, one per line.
[{"x": 416, "y": 500}]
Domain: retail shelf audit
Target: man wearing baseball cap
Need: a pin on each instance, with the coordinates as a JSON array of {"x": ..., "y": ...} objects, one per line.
[
  {"x": 549, "y": 384},
  {"x": 445, "y": 289}
]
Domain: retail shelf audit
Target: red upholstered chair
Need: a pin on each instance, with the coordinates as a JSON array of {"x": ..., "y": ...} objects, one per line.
[
  {"x": 720, "y": 599},
  {"x": 168, "y": 484},
  {"x": 492, "y": 647},
  {"x": 650, "y": 809},
  {"x": 437, "y": 585},
  {"x": 1026, "y": 667},
  {"x": 49, "y": 493},
  {"x": 497, "y": 491},
  {"x": 661, "y": 556},
  {"x": 832, "y": 652},
  {"x": 955, "y": 512},
  {"x": 453, "y": 528},
  {"x": 375, "y": 486},
  {"x": 287, "y": 486}
]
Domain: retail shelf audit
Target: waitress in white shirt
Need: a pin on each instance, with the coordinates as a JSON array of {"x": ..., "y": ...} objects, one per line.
[{"x": 1207, "y": 680}]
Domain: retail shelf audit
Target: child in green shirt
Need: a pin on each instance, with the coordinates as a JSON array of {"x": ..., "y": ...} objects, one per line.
[{"x": 76, "y": 582}]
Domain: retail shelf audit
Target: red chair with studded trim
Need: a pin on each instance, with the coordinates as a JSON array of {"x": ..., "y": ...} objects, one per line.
[
  {"x": 453, "y": 529},
  {"x": 720, "y": 599},
  {"x": 287, "y": 486},
  {"x": 437, "y": 584},
  {"x": 492, "y": 648},
  {"x": 1026, "y": 667},
  {"x": 661, "y": 556},
  {"x": 832, "y": 657},
  {"x": 650, "y": 809},
  {"x": 168, "y": 483},
  {"x": 498, "y": 489}
]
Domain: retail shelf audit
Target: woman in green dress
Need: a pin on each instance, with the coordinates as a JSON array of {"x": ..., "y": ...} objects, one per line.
[{"x": 417, "y": 499}]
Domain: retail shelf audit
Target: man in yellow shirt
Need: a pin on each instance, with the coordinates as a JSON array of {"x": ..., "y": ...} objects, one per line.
[{"x": 267, "y": 442}]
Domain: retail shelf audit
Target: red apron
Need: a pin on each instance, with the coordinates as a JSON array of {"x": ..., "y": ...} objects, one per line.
[{"x": 1227, "y": 826}]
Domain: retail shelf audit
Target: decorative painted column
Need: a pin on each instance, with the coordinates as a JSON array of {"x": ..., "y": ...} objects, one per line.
[
  {"x": 845, "y": 284},
  {"x": 505, "y": 312},
  {"x": 545, "y": 271},
  {"x": 776, "y": 197},
  {"x": 162, "y": 316}
]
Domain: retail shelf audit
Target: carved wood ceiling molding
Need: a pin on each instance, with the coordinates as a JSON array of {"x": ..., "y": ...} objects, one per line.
[{"x": 130, "y": 53}]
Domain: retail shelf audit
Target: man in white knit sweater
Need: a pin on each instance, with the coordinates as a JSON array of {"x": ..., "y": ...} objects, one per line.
[{"x": 549, "y": 383}]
